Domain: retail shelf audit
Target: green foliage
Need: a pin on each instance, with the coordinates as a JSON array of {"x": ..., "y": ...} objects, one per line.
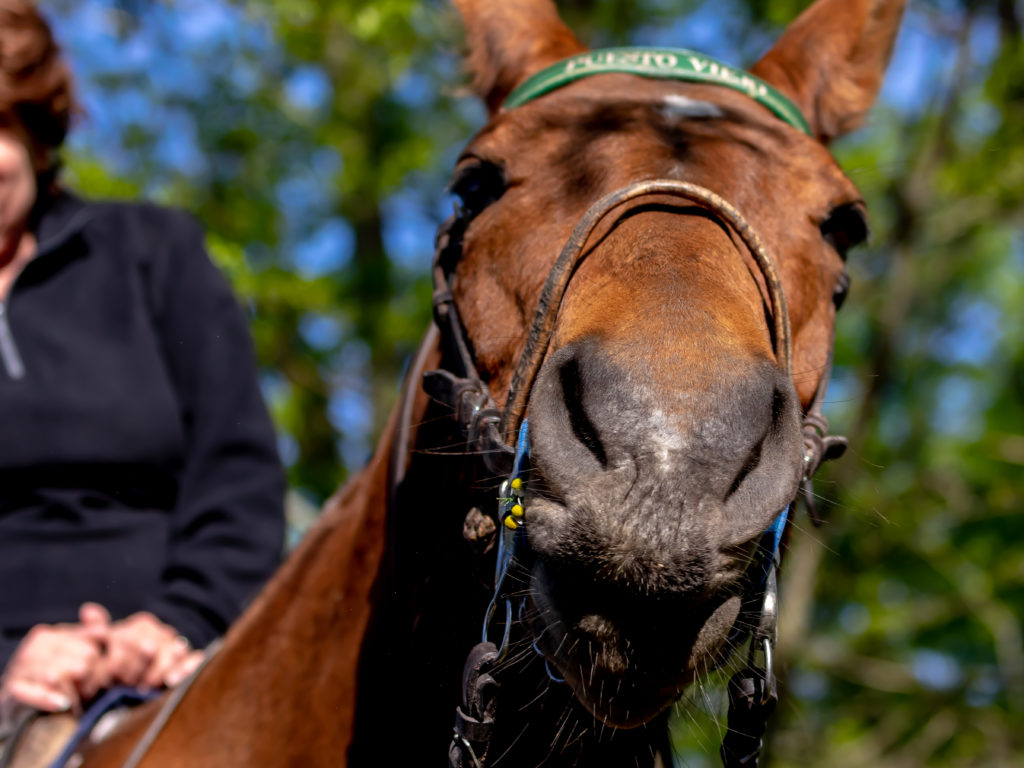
[{"x": 916, "y": 654}]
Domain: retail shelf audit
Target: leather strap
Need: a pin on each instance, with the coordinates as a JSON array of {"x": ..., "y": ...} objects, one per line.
[
  {"x": 462, "y": 389},
  {"x": 474, "y": 718},
  {"x": 120, "y": 696},
  {"x": 819, "y": 446},
  {"x": 752, "y": 699},
  {"x": 168, "y": 708},
  {"x": 12, "y": 729}
]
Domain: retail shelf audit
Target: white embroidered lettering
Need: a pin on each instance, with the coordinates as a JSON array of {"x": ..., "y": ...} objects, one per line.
[
  {"x": 580, "y": 62},
  {"x": 698, "y": 64}
]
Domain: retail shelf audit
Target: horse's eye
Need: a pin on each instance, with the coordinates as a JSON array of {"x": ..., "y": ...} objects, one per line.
[
  {"x": 476, "y": 186},
  {"x": 845, "y": 227},
  {"x": 842, "y": 289}
]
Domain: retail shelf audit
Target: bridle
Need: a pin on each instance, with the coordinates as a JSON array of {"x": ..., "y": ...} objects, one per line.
[
  {"x": 752, "y": 692},
  {"x": 501, "y": 437}
]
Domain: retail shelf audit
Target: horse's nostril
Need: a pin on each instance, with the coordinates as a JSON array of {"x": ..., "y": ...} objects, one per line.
[
  {"x": 776, "y": 425},
  {"x": 582, "y": 426},
  {"x": 753, "y": 459},
  {"x": 779, "y": 406}
]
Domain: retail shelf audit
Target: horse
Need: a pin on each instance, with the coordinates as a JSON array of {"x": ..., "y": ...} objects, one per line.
[{"x": 635, "y": 303}]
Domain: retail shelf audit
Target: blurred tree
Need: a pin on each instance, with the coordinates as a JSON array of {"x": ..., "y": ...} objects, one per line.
[
  {"x": 314, "y": 140},
  {"x": 916, "y": 654}
]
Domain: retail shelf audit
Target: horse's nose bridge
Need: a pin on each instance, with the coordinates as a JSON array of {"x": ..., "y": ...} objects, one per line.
[
  {"x": 671, "y": 288},
  {"x": 682, "y": 427}
]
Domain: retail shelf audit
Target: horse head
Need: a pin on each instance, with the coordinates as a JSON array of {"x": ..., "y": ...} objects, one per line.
[{"x": 665, "y": 414}]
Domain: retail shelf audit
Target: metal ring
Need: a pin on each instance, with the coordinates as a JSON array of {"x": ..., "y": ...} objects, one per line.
[
  {"x": 464, "y": 743},
  {"x": 769, "y": 670},
  {"x": 489, "y": 617}
]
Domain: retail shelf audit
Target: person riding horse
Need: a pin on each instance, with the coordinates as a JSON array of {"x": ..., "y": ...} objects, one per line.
[{"x": 140, "y": 486}]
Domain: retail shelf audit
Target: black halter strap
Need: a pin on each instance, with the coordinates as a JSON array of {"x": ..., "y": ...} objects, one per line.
[
  {"x": 819, "y": 445},
  {"x": 463, "y": 390}
]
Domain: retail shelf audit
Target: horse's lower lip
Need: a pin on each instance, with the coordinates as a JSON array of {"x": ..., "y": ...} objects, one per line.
[
  {"x": 617, "y": 700},
  {"x": 620, "y": 705},
  {"x": 640, "y": 693},
  {"x": 634, "y": 713}
]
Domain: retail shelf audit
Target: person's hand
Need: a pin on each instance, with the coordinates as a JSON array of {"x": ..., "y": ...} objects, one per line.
[
  {"x": 142, "y": 651},
  {"x": 56, "y": 667}
]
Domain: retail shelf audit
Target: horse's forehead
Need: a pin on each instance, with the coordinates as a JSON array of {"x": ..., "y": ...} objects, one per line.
[
  {"x": 574, "y": 147},
  {"x": 643, "y": 126}
]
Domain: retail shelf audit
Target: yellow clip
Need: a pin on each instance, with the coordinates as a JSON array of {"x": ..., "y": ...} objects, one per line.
[
  {"x": 517, "y": 511},
  {"x": 517, "y": 484},
  {"x": 510, "y": 523}
]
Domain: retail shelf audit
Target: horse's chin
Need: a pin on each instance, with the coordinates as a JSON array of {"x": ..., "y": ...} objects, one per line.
[
  {"x": 630, "y": 709},
  {"x": 611, "y": 678}
]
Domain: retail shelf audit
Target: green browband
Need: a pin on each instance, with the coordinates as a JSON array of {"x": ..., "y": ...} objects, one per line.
[{"x": 666, "y": 63}]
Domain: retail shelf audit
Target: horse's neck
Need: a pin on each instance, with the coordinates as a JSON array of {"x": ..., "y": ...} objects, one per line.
[
  {"x": 282, "y": 689},
  {"x": 308, "y": 626}
]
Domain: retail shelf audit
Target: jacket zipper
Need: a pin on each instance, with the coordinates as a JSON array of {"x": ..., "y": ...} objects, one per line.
[{"x": 8, "y": 349}]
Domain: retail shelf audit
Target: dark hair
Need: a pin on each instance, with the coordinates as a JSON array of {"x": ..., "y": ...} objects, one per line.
[{"x": 35, "y": 82}]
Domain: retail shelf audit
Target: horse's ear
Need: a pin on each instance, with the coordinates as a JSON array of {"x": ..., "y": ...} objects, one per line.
[
  {"x": 509, "y": 40},
  {"x": 831, "y": 60}
]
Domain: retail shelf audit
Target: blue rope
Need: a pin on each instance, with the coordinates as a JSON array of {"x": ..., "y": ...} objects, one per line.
[
  {"x": 770, "y": 541},
  {"x": 522, "y": 456},
  {"x": 116, "y": 697},
  {"x": 777, "y": 528},
  {"x": 522, "y": 447}
]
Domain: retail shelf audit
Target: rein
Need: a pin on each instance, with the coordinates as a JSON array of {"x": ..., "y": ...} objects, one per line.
[{"x": 501, "y": 436}]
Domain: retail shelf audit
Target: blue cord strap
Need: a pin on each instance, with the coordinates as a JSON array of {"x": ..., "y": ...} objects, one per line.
[
  {"x": 522, "y": 447},
  {"x": 511, "y": 516},
  {"x": 119, "y": 696},
  {"x": 769, "y": 544}
]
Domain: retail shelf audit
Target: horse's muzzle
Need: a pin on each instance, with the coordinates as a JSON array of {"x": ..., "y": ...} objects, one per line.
[{"x": 646, "y": 507}]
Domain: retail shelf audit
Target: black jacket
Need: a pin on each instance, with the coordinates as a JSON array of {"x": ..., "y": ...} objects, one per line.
[{"x": 138, "y": 466}]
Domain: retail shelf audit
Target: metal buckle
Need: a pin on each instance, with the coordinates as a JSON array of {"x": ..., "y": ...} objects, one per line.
[{"x": 464, "y": 743}]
